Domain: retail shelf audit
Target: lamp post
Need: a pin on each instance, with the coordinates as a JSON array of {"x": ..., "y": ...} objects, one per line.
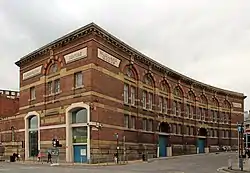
[
  {"x": 117, "y": 147},
  {"x": 240, "y": 129}
]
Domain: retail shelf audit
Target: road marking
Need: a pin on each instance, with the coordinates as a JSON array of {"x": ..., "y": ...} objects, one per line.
[{"x": 30, "y": 167}]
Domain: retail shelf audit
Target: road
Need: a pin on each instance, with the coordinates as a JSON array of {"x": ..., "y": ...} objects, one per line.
[{"x": 185, "y": 164}]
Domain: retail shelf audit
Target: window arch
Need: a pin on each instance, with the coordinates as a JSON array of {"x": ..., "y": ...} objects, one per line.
[
  {"x": 178, "y": 92},
  {"x": 164, "y": 86},
  {"x": 33, "y": 122},
  {"x": 203, "y": 99},
  {"x": 52, "y": 66},
  {"x": 130, "y": 72},
  {"x": 215, "y": 102},
  {"x": 191, "y": 96},
  {"x": 79, "y": 116},
  {"x": 148, "y": 80}
]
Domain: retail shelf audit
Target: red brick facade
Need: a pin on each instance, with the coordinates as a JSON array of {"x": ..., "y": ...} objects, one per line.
[{"x": 128, "y": 94}]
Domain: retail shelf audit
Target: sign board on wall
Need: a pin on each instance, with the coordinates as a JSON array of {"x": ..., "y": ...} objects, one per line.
[
  {"x": 32, "y": 73},
  {"x": 237, "y": 105},
  {"x": 108, "y": 58},
  {"x": 83, "y": 152},
  {"x": 79, "y": 54}
]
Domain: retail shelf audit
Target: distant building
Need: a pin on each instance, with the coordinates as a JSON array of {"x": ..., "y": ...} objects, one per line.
[
  {"x": 9, "y": 103},
  {"x": 98, "y": 95}
]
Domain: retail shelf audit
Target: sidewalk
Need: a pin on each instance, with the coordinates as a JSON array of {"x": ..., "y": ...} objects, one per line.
[
  {"x": 76, "y": 164},
  {"x": 235, "y": 168}
]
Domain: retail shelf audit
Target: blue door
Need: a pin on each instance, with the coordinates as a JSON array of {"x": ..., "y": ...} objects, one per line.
[
  {"x": 201, "y": 145},
  {"x": 80, "y": 153},
  {"x": 162, "y": 146}
]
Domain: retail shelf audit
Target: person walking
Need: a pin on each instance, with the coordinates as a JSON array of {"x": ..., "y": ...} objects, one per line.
[{"x": 49, "y": 158}]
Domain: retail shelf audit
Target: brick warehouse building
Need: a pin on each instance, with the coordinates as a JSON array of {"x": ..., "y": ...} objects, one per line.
[{"x": 95, "y": 93}]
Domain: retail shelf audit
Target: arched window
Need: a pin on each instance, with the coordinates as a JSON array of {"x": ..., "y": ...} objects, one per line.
[
  {"x": 203, "y": 100},
  {"x": 130, "y": 72},
  {"x": 53, "y": 68},
  {"x": 215, "y": 112},
  {"x": 79, "y": 116},
  {"x": 177, "y": 92},
  {"x": 177, "y": 104},
  {"x": 148, "y": 80},
  {"x": 164, "y": 86},
  {"x": 33, "y": 123},
  {"x": 33, "y": 135},
  {"x": 190, "y": 107}
]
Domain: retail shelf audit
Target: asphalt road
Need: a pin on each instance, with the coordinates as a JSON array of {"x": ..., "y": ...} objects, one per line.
[{"x": 185, "y": 164}]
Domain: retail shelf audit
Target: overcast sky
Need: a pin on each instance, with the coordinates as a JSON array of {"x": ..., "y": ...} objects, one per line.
[{"x": 205, "y": 40}]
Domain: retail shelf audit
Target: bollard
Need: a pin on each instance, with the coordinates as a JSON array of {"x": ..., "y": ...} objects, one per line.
[{"x": 230, "y": 166}]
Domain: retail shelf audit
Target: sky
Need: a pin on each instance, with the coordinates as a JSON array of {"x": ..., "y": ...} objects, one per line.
[{"x": 207, "y": 40}]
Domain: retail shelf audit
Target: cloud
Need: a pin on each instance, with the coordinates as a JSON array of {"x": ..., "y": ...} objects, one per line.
[{"x": 207, "y": 40}]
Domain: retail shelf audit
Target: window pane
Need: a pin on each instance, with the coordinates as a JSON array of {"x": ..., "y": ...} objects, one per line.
[
  {"x": 125, "y": 93},
  {"x": 144, "y": 124},
  {"x": 79, "y": 116},
  {"x": 33, "y": 143},
  {"x": 133, "y": 122},
  {"x": 132, "y": 95},
  {"x": 160, "y": 104},
  {"x": 32, "y": 93},
  {"x": 144, "y": 98},
  {"x": 126, "y": 121},
  {"x": 150, "y": 101},
  {"x": 50, "y": 88},
  {"x": 33, "y": 122},
  {"x": 79, "y": 134},
  {"x": 78, "y": 79},
  {"x": 57, "y": 86}
]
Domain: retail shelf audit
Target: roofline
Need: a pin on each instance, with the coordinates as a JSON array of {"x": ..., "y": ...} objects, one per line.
[{"x": 138, "y": 54}]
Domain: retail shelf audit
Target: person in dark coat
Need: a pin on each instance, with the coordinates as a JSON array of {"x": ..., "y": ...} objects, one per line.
[{"x": 49, "y": 158}]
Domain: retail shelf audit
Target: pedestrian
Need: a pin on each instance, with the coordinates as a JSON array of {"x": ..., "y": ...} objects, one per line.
[{"x": 49, "y": 158}]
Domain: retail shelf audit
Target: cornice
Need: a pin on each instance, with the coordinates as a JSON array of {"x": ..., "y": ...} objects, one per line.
[{"x": 94, "y": 29}]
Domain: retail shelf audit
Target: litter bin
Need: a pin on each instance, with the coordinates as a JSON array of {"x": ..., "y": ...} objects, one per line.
[{"x": 12, "y": 159}]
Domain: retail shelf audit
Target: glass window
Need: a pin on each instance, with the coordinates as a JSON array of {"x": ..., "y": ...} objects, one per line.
[
  {"x": 178, "y": 107},
  {"x": 57, "y": 86},
  {"x": 125, "y": 93},
  {"x": 160, "y": 104},
  {"x": 79, "y": 116},
  {"x": 187, "y": 110},
  {"x": 179, "y": 129},
  {"x": 174, "y": 107},
  {"x": 191, "y": 130},
  {"x": 191, "y": 115},
  {"x": 132, "y": 95},
  {"x": 144, "y": 124},
  {"x": 78, "y": 79},
  {"x": 79, "y": 134},
  {"x": 126, "y": 121},
  {"x": 33, "y": 143},
  {"x": 174, "y": 128},
  {"x": 144, "y": 98},
  {"x": 150, "y": 125},
  {"x": 132, "y": 122},
  {"x": 32, "y": 93},
  {"x": 204, "y": 114},
  {"x": 150, "y": 101},
  {"x": 33, "y": 122},
  {"x": 165, "y": 105},
  {"x": 50, "y": 88},
  {"x": 53, "y": 68}
]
